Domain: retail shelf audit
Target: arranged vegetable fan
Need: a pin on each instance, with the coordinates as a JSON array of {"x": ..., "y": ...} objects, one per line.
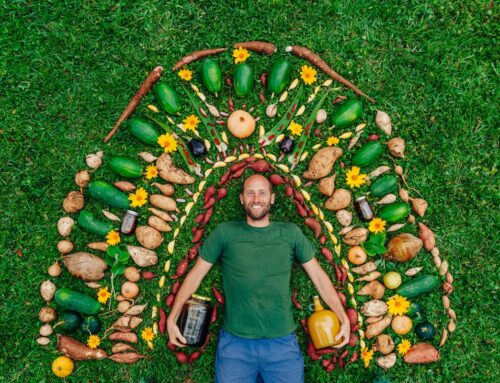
[{"x": 134, "y": 227}]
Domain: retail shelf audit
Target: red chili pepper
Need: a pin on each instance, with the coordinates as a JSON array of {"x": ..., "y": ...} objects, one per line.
[
  {"x": 262, "y": 98},
  {"x": 218, "y": 295},
  {"x": 182, "y": 268},
  {"x": 294, "y": 300},
  {"x": 238, "y": 166},
  {"x": 194, "y": 356},
  {"x": 221, "y": 193},
  {"x": 193, "y": 251},
  {"x": 327, "y": 254},
  {"x": 209, "y": 193},
  {"x": 148, "y": 275},
  {"x": 170, "y": 300},
  {"x": 162, "y": 323},
  {"x": 213, "y": 318},
  {"x": 288, "y": 191},
  {"x": 198, "y": 235},
  {"x": 181, "y": 357},
  {"x": 300, "y": 209},
  {"x": 175, "y": 287},
  {"x": 209, "y": 203},
  {"x": 199, "y": 218}
]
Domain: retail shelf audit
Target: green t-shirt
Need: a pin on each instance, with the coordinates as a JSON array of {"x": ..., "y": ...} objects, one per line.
[{"x": 256, "y": 265}]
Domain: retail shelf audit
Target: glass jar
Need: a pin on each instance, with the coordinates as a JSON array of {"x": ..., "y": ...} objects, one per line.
[
  {"x": 129, "y": 222},
  {"x": 363, "y": 208},
  {"x": 195, "y": 320}
]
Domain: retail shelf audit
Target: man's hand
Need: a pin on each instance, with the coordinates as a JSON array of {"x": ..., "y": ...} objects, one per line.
[
  {"x": 174, "y": 334},
  {"x": 344, "y": 333}
]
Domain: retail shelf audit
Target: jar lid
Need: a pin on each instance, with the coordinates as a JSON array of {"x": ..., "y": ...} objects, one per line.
[
  {"x": 131, "y": 212},
  {"x": 195, "y": 296},
  {"x": 360, "y": 198}
]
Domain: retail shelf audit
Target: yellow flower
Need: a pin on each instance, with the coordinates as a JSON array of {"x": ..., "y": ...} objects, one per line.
[
  {"x": 167, "y": 142},
  {"x": 139, "y": 198},
  {"x": 94, "y": 341},
  {"x": 295, "y": 129},
  {"x": 398, "y": 305},
  {"x": 185, "y": 74},
  {"x": 404, "y": 346},
  {"x": 113, "y": 238},
  {"x": 240, "y": 55},
  {"x": 191, "y": 122},
  {"x": 354, "y": 179},
  {"x": 332, "y": 140},
  {"x": 308, "y": 74},
  {"x": 103, "y": 295},
  {"x": 366, "y": 356},
  {"x": 151, "y": 172},
  {"x": 148, "y": 334},
  {"x": 377, "y": 225}
]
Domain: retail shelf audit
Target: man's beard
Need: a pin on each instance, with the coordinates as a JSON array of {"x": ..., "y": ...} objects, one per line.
[{"x": 257, "y": 216}]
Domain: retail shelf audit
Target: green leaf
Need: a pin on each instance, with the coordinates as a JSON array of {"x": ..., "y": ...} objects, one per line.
[
  {"x": 370, "y": 248},
  {"x": 113, "y": 250},
  {"x": 110, "y": 260},
  {"x": 118, "y": 269},
  {"x": 123, "y": 256}
]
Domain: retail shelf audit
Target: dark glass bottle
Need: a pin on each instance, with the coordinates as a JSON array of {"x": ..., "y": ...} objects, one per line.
[
  {"x": 195, "y": 320},
  {"x": 129, "y": 222},
  {"x": 363, "y": 208}
]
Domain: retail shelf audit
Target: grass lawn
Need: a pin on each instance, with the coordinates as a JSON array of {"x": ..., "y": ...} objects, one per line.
[{"x": 68, "y": 68}]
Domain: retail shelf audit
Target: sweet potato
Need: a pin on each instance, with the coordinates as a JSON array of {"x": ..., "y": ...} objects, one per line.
[
  {"x": 166, "y": 189},
  {"x": 85, "y": 266},
  {"x": 427, "y": 236},
  {"x": 159, "y": 224},
  {"x": 196, "y": 55},
  {"x": 374, "y": 308},
  {"x": 121, "y": 347},
  {"x": 322, "y": 163},
  {"x": 356, "y": 236},
  {"x": 129, "y": 357},
  {"x": 314, "y": 226},
  {"x": 77, "y": 350},
  {"x": 163, "y": 202},
  {"x": 161, "y": 214},
  {"x": 340, "y": 199},
  {"x": 130, "y": 337},
  {"x": 369, "y": 277},
  {"x": 368, "y": 267},
  {"x": 326, "y": 185},
  {"x": 170, "y": 173},
  {"x": 257, "y": 46},
  {"x": 260, "y": 166},
  {"x": 125, "y": 186},
  {"x": 374, "y": 289},
  {"x": 422, "y": 353},
  {"x": 377, "y": 328},
  {"x": 142, "y": 257}
]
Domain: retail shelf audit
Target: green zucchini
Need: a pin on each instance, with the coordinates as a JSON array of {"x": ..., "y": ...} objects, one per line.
[
  {"x": 69, "y": 321},
  {"x": 348, "y": 113},
  {"x": 90, "y": 223},
  {"x": 144, "y": 131},
  {"x": 126, "y": 167},
  {"x": 108, "y": 193},
  {"x": 243, "y": 80},
  {"x": 367, "y": 154},
  {"x": 167, "y": 97},
  {"x": 394, "y": 212},
  {"x": 384, "y": 185},
  {"x": 211, "y": 75},
  {"x": 418, "y": 286},
  {"x": 279, "y": 76},
  {"x": 73, "y": 300}
]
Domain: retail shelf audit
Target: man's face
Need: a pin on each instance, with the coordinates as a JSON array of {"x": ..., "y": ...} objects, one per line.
[{"x": 257, "y": 197}]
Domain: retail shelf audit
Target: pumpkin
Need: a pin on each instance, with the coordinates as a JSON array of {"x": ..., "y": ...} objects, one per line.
[{"x": 62, "y": 366}]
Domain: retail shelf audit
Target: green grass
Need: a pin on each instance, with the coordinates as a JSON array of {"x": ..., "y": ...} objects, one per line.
[{"x": 67, "y": 68}]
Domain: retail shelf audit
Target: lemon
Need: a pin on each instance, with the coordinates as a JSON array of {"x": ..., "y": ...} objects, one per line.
[{"x": 392, "y": 280}]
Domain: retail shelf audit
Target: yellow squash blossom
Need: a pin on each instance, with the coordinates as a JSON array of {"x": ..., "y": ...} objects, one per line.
[
  {"x": 354, "y": 179},
  {"x": 185, "y": 74},
  {"x": 147, "y": 334},
  {"x": 295, "y": 129},
  {"x": 167, "y": 142},
  {"x": 240, "y": 55},
  {"x": 139, "y": 198},
  {"x": 94, "y": 341},
  {"x": 308, "y": 74},
  {"x": 103, "y": 295},
  {"x": 404, "y": 346},
  {"x": 377, "y": 225},
  {"x": 113, "y": 238},
  {"x": 398, "y": 305},
  {"x": 191, "y": 122},
  {"x": 332, "y": 140},
  {"x": 151, "y": 172},
  {"x": 366, "y": 356}
]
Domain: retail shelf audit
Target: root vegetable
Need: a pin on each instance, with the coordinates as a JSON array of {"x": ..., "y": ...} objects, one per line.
[
  {"x": 122, "y": 324},
  {"x": 148, "y": 157},
  {"x": 413, "y": 271},
  {"x": 384, "y": 344},
  {"x": 419, "y": 205},
  {"x": 170, "y": 173},
  {"x": 159, "y": 224},
  {"x": 82, "y": 178},
  {"x": 47, "y": 314},
  {"x": 321, "y": 116},
  {"x": 444, "y": 337},
  {"x": 136, "y": 310},
  {"x": 374, "y": 308},
  {"x": 46, "y": 330},
  {"x": 85, "y": 266},
  {"x": 73, "y": 202},
  {"x": 121, "y": 347},
  {"x": 166, "y": 189},
  {"x": 378, "y": 171},
  {"x": 260, "y": 166},
  {"x": 346, "y": 230},
  {"x": 386, "y": 362},
  {"x": 101, "y": 246},
  {"x": 411, "y": 218},
  {"x": 326, "y": 185},
  {"x": 111, "y": 216},
  {"x": 356, "y": 236},
  {"x": 395, "y": 227},
  {"x": 422, "y": 353},
  {"x": 163, "y": 202},
  {"x": 352, "y": 315},
  {"x": 47, "y": 290},
  {"x": 196, "y": 55},
  {"x": 314, "y": 226},
  {"x": 322, "y": 162},
  {"x": 130, "y": 290},
  {"x": 257, "y": 46},
  {"x": 427, "y": 236},
  {"x": 389, "y": 198},
  {"x": 365, "y": 269},
  {"x": 369, "y": 277},
  {"x": 94, "y": 160},
  {"x": 162, "y": 323},
  {"x": 128, "y": 357},
  {"x": 161, "y": 214},
  {"x": 144, "y": 89},
  {"x": 125, "y": 186},
  {"x": 76, "y": 350},
  {"x": 326, "y": 252},
  {"x": 135, "y": 322},
  {"x": 65, "y": 246},
  {"x": 142, "y": 257},
  {"x": 383, "y": 121},
  {"x": 271, "y": 110},
  {"x": 403, "y": 248},
  {"x": 65, "y": 226},
  {"x": 43, "y": 341},
  {"x": 54, "y": 269},
  {"x": 276, "y": 179},
  {"x": 123, "y": 306},
  {"x": 396, "y": 147},
  {"x": 132, "y": 274},
  {"x": 315, "y": 60},
  {"x": 148, "y": 237},
  {"x": 357, "y": 255},
  {"x": 374, "y": 289},
  {"x": 403, "y": 194},
  {"x": 340, "y": 199},
  {"x": 371, "y": 320},
  {"x": 344, "y": 217},
  {"x": 377, "y": 328}
]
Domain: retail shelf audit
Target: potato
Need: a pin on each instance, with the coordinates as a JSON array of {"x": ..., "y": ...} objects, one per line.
[
  {"x": 47, "y": 290},
  {"x": 130, "y": 290},
  {"x": 386, "y": 362},
  {"x": 344, "y": 217},
  {"x": 340, "y": 199},
  {"x": 43, "y": 341},
  {"x": 54, "y": 269},
  {"x": 374, "y": 308},
  {"x": 85, "y": 266},
  {"x": 123, "y": 306},
  {"x": 142, "y": 257},
  {"x": 132, "y": 274},
  {"x": 77, "y": 350},
  {"x": 385, "y": 344},
  {"x": 170, "y": 173},
  {"x": 46, "y": 330},
  {"x": 322, "y": 162},
  {"x": 148, "y": 237},
  {"x": 356, "y": 236},
  {"x": 326, "y": 185},
  {"x": 47, "y": 314},
  {"x": 65, "y": 246},
  {"x": 159, "y": 224},
  {"x": 73, "y": 202},
  {"x": 163, "y": 202},
  {"x": 396, "y": 147},
  {"x": 65, "y": 226},
  {"x": 82, "y": 178}
]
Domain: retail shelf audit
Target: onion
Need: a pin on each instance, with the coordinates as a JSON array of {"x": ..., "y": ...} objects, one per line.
[{"x": 403, "y": 248}]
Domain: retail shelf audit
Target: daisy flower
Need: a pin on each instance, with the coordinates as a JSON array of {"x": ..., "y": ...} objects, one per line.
[
  {"x": 404, "y": 346},
  {"x": 147, "y": 334},
  {"x": 308, "y": 74},
  {"x": 191, "y": 122},
  {"x": 377, "y": 225},
  {"x": 113, "y": 238},
  {"x": 94, "y": 341},
  {"x": 185, "y": 74},
  {"x": 398, "y": 305},
  {"x": 240, "y": 55},
  {"x": 295, "y": 129},
  {"x": 354, "y": 179},
  {"x": 366, "y": 356},
  {"x": 167, "y": 142},
  {"x": 139, "y": 198},
  {"x": 332, "y": 140},
  {"x": 151, "y": 172},
  {"x": 103, "y": 295}
]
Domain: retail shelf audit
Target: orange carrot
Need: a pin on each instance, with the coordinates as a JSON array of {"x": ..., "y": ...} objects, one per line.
[
  {"x": 257, "y": 46},
  {"x": 318, "y": 62},
  {"x": 196, "y": 55},
  {"x": 146, "y": 86}
]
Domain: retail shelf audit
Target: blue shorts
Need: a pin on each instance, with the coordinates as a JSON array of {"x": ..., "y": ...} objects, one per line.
[{"x": 274, "y": 360}]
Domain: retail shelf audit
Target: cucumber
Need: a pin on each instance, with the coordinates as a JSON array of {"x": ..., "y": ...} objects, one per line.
[
  {"x": 395, "y": 212},
  {"x": 167, "y": 97},
  {"x": 91, "y": 325},
  {"x": 108, "y": 193},
  {"x": 418, "y": 286},
  {"x": 367, "y": 154},
  {"x": 384, "y": 185},
  {"x": 69, "y": 321},
  {"x": 144, "y": 131},
  {"x": 280, "y": 76},
  {"x": 211, "y": 75},
  {"x": 126, "y": 167},
  {"x": 73, "y": 300},
  {"x": 88, "y": 222},
  {"x": 348, "y": 113},
  {"x": 243, "y": 80}
]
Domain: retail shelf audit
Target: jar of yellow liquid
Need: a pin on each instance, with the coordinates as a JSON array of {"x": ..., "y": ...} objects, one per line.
[{"x": 323, "y": 326}]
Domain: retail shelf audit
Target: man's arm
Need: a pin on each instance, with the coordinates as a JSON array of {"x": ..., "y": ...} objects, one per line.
[
  {"x": 188, "y": 287},
  {"x": 329, "y": 295}
]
